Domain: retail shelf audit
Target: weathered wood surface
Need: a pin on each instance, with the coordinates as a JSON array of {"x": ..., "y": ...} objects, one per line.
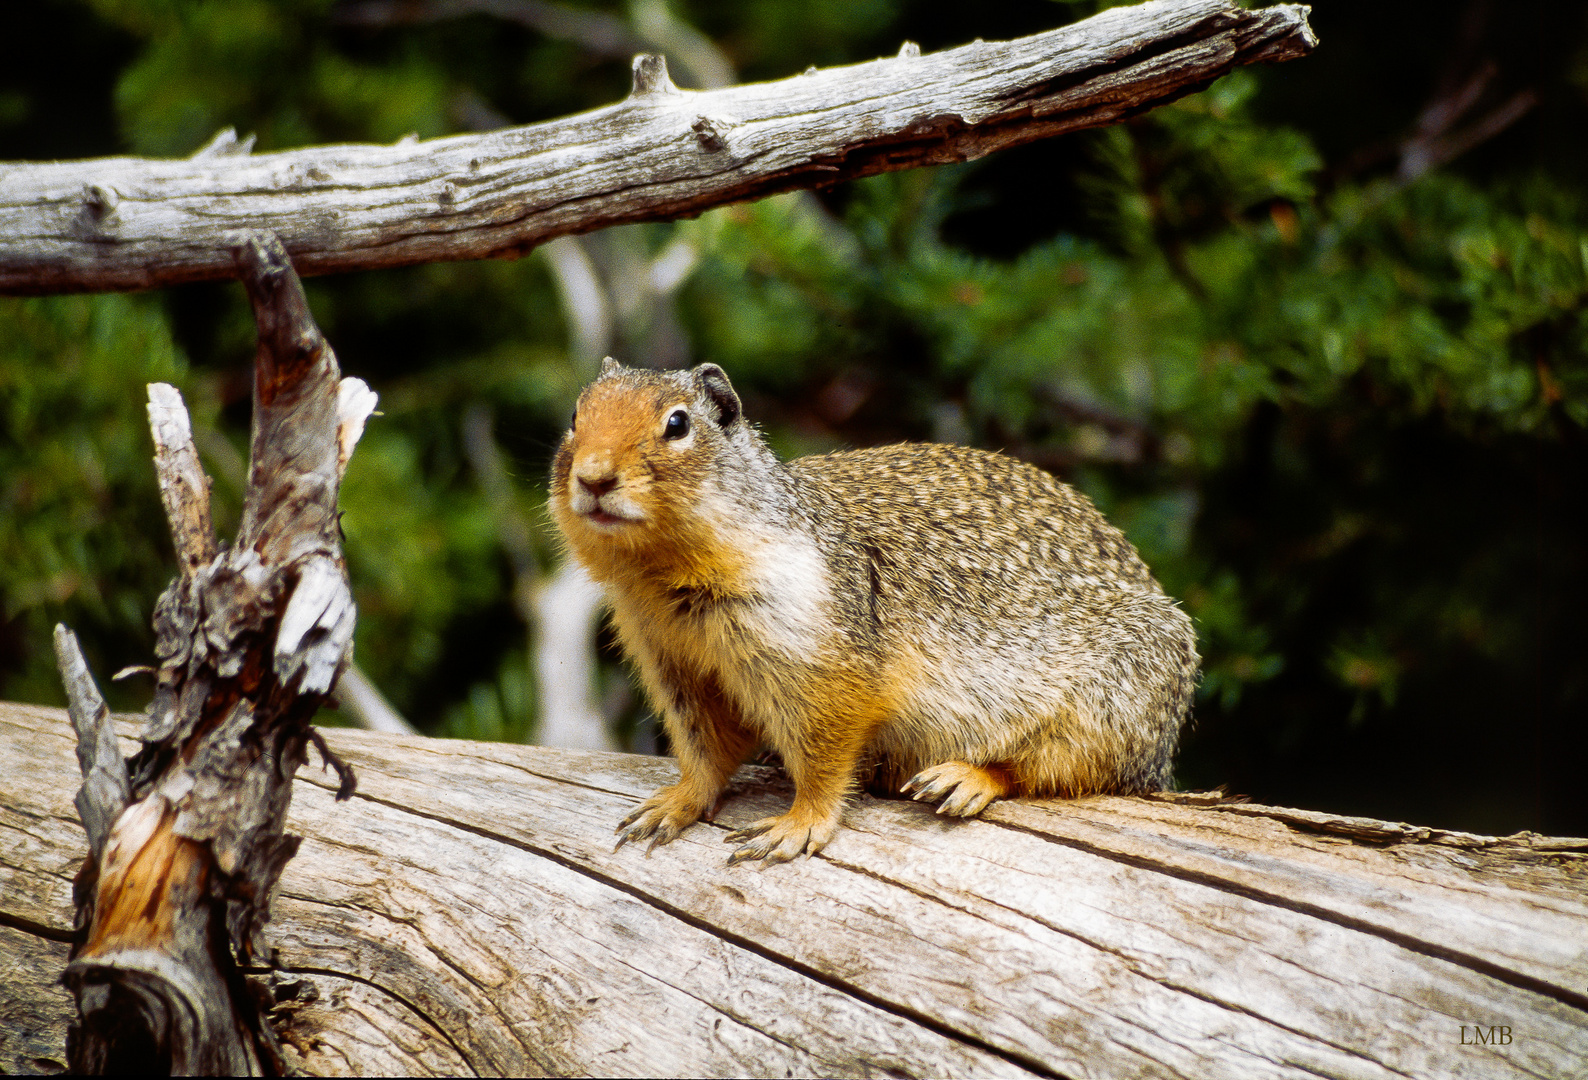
[
  {"x": 134, "y": 223},
  {"x": 465, "y": 912}
]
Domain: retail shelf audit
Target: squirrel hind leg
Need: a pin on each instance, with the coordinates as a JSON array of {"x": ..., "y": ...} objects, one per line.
[
  {"x": 959, "y": 788},
  {"x": 1070, "y": 769}
]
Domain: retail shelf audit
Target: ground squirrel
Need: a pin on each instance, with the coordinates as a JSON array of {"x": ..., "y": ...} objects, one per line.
[{"x": 945, "y": 617}]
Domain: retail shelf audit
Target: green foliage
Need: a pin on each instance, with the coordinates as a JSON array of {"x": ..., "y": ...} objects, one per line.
[
  {"x": 770, "y": 40},
  {"x": 1342, "y": 414},
  {"x": 81, "y": 530},
  {"x": 262, "y": 66}
]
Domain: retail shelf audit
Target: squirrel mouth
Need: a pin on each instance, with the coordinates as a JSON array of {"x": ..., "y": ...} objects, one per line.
[{"x": 602, "y": 517}]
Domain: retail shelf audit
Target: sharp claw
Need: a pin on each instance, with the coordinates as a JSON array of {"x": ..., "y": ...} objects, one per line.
[
  {"x": 660, "y": 819},
  {"x": 777, "y": 840},
  {"x": 956, "y": 794}
]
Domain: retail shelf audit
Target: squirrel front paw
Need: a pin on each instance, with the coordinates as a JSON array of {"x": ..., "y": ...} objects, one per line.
[
  {"x": 965, "y": 789},
  {"x": 662, "y": 817},
  {"x": 779, "y": 839}
]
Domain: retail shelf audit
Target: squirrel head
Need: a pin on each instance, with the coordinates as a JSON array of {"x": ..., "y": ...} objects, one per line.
[{"x": 644, "y": 472}]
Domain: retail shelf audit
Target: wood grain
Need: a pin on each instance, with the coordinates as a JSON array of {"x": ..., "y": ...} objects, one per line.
[
  {"x": 465, "y": 912},
  {"x": 663, "y": 153}
]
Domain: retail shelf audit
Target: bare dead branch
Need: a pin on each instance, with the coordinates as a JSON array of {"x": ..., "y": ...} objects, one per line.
[
  {"x": 105, "y": 789},
  {"x": 663, "y": 153},
  {"x": 184, "y": 488},
  {"x": 567, "y": 614},
  {"x": 1425, "y": 152}
]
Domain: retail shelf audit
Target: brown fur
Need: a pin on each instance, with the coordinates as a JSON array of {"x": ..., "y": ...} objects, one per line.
[{"x": 938, "y": 616}]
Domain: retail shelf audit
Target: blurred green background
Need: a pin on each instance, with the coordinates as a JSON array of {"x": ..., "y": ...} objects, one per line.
[{"x": 1313, "y": 338}]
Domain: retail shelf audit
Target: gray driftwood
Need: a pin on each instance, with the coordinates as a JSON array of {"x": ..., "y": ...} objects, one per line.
[
  {"x": 185, "y": 839},
  {"x": 133, "y": 223},
  {"x": 465, "y": 912}
]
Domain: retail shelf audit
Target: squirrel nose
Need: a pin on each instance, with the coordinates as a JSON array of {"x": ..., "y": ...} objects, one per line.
[{"x": 599, "y": 486}]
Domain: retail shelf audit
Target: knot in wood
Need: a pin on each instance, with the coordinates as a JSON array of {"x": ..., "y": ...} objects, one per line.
[
  {"x": 711, "y": 131},
  {"x": 306, "y": 345},
  {"x": 100, "y": 200}
]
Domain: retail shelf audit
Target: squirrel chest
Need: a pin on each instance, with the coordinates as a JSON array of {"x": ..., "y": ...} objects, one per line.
[{"x": 959, "y": 623}]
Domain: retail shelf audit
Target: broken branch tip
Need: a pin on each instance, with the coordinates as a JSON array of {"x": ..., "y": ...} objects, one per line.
[{"x": 651, "y": 77}]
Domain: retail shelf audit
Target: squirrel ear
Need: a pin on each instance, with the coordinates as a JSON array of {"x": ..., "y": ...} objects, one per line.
[
  {"x": 610, "y": 366},
  {"x": 714, "y": 382}
]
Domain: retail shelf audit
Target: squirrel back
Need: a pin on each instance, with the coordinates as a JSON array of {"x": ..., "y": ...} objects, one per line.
[{"x": 936, "y": 614}]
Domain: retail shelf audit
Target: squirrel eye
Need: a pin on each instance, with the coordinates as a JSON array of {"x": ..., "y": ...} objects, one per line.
[
  {"x": 573, "y": 420},
  {"x": 677, "y": 425}
]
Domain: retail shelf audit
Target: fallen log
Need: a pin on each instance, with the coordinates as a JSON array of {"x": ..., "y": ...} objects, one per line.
[
  {"x": 661, "y": 154},
  {"x": 465, "y": 912}
]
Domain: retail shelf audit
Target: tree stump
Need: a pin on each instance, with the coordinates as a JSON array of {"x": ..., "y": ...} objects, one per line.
[
  {"x": 465, "y": 912},
  {"x": 185, "y": 837}
]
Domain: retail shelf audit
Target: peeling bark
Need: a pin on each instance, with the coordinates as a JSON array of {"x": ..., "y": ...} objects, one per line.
[
  {"x": 186, "y": 838},
  {"x": 663, "y": 153}
]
